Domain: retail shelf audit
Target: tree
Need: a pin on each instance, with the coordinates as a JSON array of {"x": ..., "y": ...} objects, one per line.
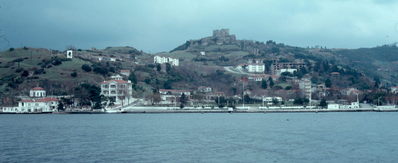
[
  {"x": 89, "y": 95},
  {"x": 168, "y": 67},
  {"x": 158, "y": 67},
  {"x": 183, "y": 100},
  {"x": 25, "y": 73},
  {"x": 247, "y": 98},
  {"x": 323, "y": 103},
  {"x": 377, "y": 82},
  {"x": 86, "y": 67},
  {"x": 328, "y": 83},
  {"x": 275, "y": 101},
  {"x": 73, "y": 74},
  {"x": 132, "y": 78},
  {"x": 60, "y": 106},
  {"x": 167, "y": 84},
  {"x": 264, "y": 84},
  {"x": 271, "y": 82}
]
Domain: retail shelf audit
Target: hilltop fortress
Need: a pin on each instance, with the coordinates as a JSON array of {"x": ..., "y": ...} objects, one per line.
[{"x": 221, "y": 37}]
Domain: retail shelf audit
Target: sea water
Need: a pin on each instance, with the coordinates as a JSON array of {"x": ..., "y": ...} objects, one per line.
[{"x": 217, "y": 137}]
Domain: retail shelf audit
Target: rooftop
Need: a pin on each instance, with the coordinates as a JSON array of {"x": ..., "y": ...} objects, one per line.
[{"x": 46, "y": 99}]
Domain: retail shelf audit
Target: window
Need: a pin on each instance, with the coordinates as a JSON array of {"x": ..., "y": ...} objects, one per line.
[
  {"x": 113, "y": 86},
  {"x": 113, "y": 92}
]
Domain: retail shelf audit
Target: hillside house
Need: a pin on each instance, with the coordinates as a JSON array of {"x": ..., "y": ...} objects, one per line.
[
  {"x": 204, "y": 89},
  {"x": 276, "y": 67},
  {"x": 69, "y": 54},
  {"x": 256, "y": 67},
  {"x": 125, "y": 72},
  {"x": 164, "y": 60},
  {"x": 394, "y": 89},
  {"x": 260, "y": 77},
  {"x": 289, "y": 70}
]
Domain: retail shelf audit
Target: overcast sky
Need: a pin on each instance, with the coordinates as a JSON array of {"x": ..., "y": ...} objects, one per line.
[{"x": 161, "y": 25}]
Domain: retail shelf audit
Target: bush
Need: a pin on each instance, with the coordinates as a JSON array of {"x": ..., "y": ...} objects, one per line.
[
  {"x": 86, "y": 67},
  {"x": 73, "y": 74},
  {"x": 39, "y": 71},
  {"x": 11, "y": 49},
  {"x": 25, "y": 73}
]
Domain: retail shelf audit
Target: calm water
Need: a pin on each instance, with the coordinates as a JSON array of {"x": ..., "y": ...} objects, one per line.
[{"x": 293, "y": 137}]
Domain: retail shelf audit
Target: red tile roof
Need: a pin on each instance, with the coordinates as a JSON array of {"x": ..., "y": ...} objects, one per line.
[
  {"x": 117, "y": 81},
  {"x": 46, "y": 99},
  {"x": 37, "y": 88},
  {"x": 172, "y": 90}
]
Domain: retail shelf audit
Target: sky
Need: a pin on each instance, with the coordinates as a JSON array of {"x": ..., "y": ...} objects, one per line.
[{"x": 161, "y": 25}]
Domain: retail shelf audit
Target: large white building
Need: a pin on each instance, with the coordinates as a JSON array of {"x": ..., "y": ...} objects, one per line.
[
  {"x": 256, "y": 67},
  {"x": 162, "y": 60},
  {"x": 37, "y": 102},
  {"x": 118, "y": 89}
]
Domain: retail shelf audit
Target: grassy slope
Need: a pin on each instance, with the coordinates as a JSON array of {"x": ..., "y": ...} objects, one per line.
[{"x": 58, "y": 74}]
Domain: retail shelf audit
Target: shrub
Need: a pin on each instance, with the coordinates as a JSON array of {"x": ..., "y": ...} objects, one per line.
[
  {"x": 86, "y": 67},
  {"x": 73, "y": 74}
]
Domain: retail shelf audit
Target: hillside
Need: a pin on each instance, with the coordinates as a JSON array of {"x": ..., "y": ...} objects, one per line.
[{"x": 218, "y": 61}]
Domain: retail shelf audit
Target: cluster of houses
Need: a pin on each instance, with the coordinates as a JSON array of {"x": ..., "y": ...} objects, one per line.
[{"x": 36, "y": 102}]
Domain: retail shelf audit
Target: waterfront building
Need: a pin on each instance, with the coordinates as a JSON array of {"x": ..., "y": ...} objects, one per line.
[
  {"x": 37, "y": 102},
  {"x": 306, "y": 86},
  {"x": 172, "y": 96},
  {"x": 118, "y": 90}
]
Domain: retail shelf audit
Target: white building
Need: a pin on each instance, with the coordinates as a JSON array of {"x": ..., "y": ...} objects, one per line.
[
  {"x": 163, "y": 60},
  {"x": 37, "y": 102},
  {"x": 205, "y": 89},
  {"x": 118, "y": 89},
  {"x": 394, "y": 89},
  {"x": 172, "y": 96},
  {"x": 37, "y": 92},
  {"x": 289, "y": 70},
  {"x": 305, "y": 85},
  {"x": 125, "y": 72},
  {"x": 353, "y": 105},
  {"x": 256, "y": 67},
  {"x": 69, "y": 54},
  {"x": 270, "y": 100}
]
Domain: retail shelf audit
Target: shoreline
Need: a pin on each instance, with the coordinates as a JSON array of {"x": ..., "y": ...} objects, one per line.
[{"x": 168, "y": 111}]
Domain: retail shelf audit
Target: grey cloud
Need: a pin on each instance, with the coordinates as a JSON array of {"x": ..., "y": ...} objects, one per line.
[{"x": 160, "y": 25}]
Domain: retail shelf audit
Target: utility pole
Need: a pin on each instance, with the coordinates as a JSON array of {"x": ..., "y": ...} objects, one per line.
[{"x": 243, "y": 94}]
